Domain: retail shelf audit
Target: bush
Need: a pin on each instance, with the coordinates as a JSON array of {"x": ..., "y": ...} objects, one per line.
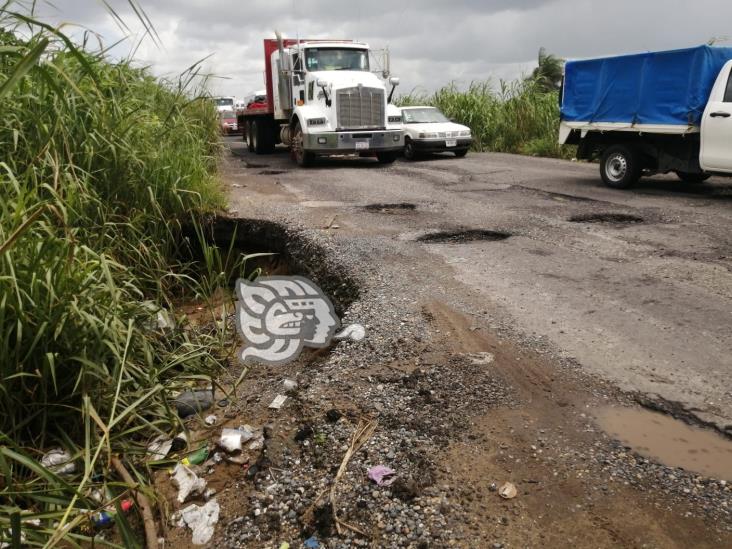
[{"x": 100, "y": 164}]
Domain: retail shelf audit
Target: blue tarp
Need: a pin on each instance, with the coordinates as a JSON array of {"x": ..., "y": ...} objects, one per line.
[{"x": 667, "y": 87}]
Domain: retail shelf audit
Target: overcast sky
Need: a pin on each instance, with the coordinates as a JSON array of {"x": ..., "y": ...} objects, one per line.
[{"x": 432, "y": 42}]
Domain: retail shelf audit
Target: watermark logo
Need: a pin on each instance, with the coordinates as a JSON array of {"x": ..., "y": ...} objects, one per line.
[{"x": 277, "y": 316}]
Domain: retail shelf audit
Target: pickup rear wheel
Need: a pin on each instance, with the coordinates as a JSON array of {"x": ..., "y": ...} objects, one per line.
[
  {"x": 620, "y": 167},
  {"x": 693, "y": 178},
  {"x": 297, "y": 148}
]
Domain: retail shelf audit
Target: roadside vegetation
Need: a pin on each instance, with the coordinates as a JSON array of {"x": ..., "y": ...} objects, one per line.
[
  {"x": 101, "y": 165},
  {"x": 514, "y": 117}
]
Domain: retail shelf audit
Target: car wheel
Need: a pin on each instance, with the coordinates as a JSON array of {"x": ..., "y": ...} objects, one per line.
[
  {"x": 302, "y": 157},
  {"x": 409, "y": 151},
  {"x": 693, "y": 178},
  {"x": 620, "y": 167}
]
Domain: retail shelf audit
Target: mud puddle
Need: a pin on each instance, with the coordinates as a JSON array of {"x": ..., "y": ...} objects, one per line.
[
  {"x": 457, "y": 236},
  {"x": 613, "y": 218},
  {"x": 669, "y": 441}
]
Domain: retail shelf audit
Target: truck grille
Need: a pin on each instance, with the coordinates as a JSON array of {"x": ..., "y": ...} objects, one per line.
[{"x": 360, "y": 108}]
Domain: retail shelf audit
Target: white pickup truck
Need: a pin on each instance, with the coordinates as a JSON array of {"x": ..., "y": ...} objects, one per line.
[{"x": 651, "y": 113}]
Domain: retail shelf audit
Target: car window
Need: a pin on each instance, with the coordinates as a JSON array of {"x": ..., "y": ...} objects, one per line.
[{"x": 728, "y": 91}]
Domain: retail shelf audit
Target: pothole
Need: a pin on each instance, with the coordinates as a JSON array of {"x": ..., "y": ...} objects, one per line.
[
  {"x": 292, "y": 252},
  {"x": 272, "y": 172},
  {"x": 459, "y": 236},
  {"x": 616, "y": 218},
  {"x": 669, "y": 441},
  {"x": 390, "y": 208}
]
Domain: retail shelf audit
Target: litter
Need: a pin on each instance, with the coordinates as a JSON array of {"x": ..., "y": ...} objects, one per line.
[
  {"x": 382, "y": 475},
  {"x": 311, "y": 543},
  {"x": 102, "y": 520},
  {"x": 191, "y": 402},
  {"x": 58, "y": 461},
  {"x": 188, "y": 482},
  {"x": 507, "y": 490},
  {"x": 284, "y": 545},
  {"x": 201, "y": 520},
  {"x": 197, "y": 457},
  {"x": 289, "y": 385},
  {"x": 278, "y": 401},
  {"x": 354, "y": 332},
  {"x": 231, "y": 440},
  {"x": 210, "y": 420},
  {"x": 159, "y": 448}
]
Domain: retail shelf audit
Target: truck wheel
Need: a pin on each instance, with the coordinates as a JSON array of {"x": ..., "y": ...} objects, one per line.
[
  {"x": 386, "y": 157},
  {"x": 693, "y": 178},
  {"x": 299, "y": 154},
  {"x": 254, "y": 136},
  {"x": 620, "y": 167},
  {"x": 262, "y": 138},
  {"x": 409, "y": 151},
  {"x": 248, "y": 135}
]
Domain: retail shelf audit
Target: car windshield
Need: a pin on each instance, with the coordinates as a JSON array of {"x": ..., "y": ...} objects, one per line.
[
  {"x": 336, "y": 59},
  {"x": 224, "y": 102},
  {"x": 423, "y": 116}
]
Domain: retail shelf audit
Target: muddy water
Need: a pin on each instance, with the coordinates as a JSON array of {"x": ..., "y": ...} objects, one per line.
[{"x": 669, "y": 441}]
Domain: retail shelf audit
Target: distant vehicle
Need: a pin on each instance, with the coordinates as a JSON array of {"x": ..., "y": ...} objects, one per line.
[
  {"x": 228, "y": 122},
  {"x": 258, "y": 100},
  {"x": 426, "y": 129},
  {"x": 239, "y": 105},
  {"x": 656, "y": 112},
  {"x": 224, "y": 103},
  {"x": 322, "y": 99}
]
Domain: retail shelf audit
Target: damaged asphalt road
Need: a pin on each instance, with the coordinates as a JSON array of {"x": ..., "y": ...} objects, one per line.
[{"x": 505, "y": 300}]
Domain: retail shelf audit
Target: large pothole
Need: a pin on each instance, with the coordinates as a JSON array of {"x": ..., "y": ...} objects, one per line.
[
  {"x": 291, "y": 253},
  {"x": 607, "y": 217},
  {"x": 460, "y": 236}
]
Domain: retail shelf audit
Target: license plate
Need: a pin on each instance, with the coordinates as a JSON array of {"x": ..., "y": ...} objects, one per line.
[
  {"x": 451, "y": 142},
  {"x": 361, "y": 145}
]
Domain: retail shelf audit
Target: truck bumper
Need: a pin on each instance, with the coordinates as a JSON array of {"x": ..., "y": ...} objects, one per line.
[{"x": 346, "y": 142}]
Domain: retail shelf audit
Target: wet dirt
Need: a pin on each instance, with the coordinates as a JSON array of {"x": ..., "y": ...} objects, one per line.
[
  {"x": 459, "y": 236},
  {"x": 669, "y": 441},
  {"x": 616, "y": 218}
]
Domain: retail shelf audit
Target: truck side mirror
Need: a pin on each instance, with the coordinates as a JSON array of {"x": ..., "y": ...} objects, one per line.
[
  {"x": 394, "y": 81},
  {"x": 322, "y": 84}
]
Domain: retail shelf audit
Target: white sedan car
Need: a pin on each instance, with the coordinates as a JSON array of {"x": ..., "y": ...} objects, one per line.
[{"x": 426, "y": 129}]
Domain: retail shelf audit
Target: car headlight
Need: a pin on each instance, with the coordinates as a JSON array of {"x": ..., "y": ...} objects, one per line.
[
  {"x": 427, "y": 135},
  {"x": 465, "y": 133},
  {"x": 316, "y": 121}
]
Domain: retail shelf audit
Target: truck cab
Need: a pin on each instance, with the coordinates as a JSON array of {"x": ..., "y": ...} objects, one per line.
[{"x": 324, "y": 99}]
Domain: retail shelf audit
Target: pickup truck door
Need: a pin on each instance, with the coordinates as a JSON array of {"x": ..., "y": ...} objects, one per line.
[{"x": 716, "y": 129}]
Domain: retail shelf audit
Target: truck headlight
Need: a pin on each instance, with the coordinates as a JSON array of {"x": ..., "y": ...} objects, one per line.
[{"x": 316, "y": 121}]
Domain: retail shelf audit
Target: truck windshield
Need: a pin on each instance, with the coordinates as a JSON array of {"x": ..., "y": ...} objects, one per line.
[
  {"x": 423, "y": 116},
  {"x": 224, "y": 102},
  {"x": 336, "y": 59}
]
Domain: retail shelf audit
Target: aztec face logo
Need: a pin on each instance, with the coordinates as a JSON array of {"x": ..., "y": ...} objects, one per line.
[{"x": 279, "y": 315}]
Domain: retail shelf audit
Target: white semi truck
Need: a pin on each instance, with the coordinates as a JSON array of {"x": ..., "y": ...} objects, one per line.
[
  {"x": 323, "y": 99},
  {"x": 654, "y": 112}
]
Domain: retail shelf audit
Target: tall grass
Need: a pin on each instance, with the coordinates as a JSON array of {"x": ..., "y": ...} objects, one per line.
[
  {"x": 518, "y": 117},
  {"x": 100, "y": 163}
]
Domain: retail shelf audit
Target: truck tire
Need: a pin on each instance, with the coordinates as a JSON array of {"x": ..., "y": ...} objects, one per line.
[
  {"x": 248, "y": 135},
  {"x": 262, "y": 137},
  {"x": 693, "y": 178},
  {"x": 302, "y": 157},
  {"x": 620, "y": 167},
  {"x": 386, "y": 157}
]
